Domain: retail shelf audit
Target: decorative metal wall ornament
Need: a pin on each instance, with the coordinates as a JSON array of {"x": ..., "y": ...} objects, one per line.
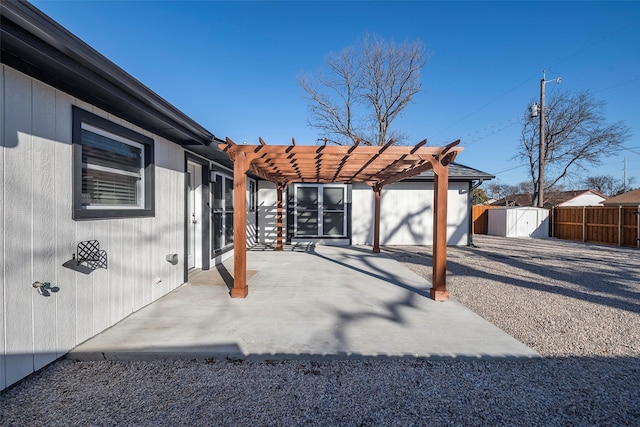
[{"x": 88, "y": 257}]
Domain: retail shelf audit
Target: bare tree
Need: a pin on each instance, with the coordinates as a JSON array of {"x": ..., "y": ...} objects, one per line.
[
  {"x": 366, "y": 88},
  {"x": 480, "y": 197},
  {"x": 576, "y": 135},
  {"x": 606, "y": 184},
  {"x": 498, "y": 190}
]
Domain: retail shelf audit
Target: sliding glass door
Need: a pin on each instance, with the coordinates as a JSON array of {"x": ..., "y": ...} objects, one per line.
[
  {"x": 222, "y": 213},
  {"x": 320, "y": 210}
]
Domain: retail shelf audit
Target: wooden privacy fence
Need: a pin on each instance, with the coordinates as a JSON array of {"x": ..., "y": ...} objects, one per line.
[
  {"x": 480, "y": 218},
  {"x": 615, "y": 225}
]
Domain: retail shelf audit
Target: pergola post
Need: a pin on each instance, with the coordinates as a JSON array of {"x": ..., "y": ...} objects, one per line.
[
  {"x": 280, "y": 189},
  {"x": 377, "y": 190},
  {"x": 240, "y": 167},
  {"x": 438, "y": 290}
]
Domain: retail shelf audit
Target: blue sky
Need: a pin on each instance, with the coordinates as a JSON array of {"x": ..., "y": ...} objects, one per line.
[{"x": 232, "y": 66}]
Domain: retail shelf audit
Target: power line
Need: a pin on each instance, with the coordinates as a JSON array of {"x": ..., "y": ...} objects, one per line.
[
  {"x": 486, "y": 105},
  {"x": 618, "y": 85},
  {"x": 492, "y": 130},
  {"x": 630, "y": 149},
  {"x": 632, "y": 23},
  {"x": 510, "y": 169}
]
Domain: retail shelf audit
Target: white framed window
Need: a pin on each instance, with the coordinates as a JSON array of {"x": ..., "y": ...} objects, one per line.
[
  {"x": 320, "y": 210},
  {"x": 113, "y": 169}
]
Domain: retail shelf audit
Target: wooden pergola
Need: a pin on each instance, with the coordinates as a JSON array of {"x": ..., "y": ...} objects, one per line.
[{"x": 376, "y": 166}]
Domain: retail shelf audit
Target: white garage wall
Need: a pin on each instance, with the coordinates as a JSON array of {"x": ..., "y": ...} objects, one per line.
[
  {"x": 406, "y": 214},
  {"x": 267, "y": 213},
  {"x": 38, "y": 234}
]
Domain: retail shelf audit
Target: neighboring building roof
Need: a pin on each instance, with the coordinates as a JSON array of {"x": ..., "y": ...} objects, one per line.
[
  {"x": 630, "y": 198},
  {"x": 554, "y": 198},
  {"x": 36, "y": 45},
  {"x": 457, "y": 172}
]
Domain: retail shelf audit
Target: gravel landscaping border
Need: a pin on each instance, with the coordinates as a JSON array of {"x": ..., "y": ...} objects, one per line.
[
  {"x": 576, "y": 304},
  {"x": 561, "y": 298}
]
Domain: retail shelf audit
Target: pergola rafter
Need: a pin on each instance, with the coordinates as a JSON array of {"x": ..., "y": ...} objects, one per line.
[{"x": 376, "y": 166}]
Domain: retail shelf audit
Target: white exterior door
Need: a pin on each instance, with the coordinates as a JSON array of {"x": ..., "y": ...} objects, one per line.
[{"x": 194, "y": 220}]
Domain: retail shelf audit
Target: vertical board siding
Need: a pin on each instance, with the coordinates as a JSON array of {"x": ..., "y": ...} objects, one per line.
[
  {"x": 362, "y": 203},
  {"x": 268, "y": 213},
  {"x": 178, "y": 229},
  {"x": 18, "y": 226},
  {"x": 43, "y": 214},
  {"x": 165, "y": 228},
  {"x": 38, "y": 234},
  {"x": 128, "y": 266},
  {"x": 406, "y": 214},
  {"x": 146, "y": 245},
  {"x": 101, "y": 280},
  {"x": 3, "y": 370},
  {"x": 85, "y": 287},
  {"x": 66, "y": 307},
  {"x": 115, "y": 270}
]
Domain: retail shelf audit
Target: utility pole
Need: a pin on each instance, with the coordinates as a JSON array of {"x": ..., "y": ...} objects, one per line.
[
  {"x": 541, "y": 160},
  {"x": 624, "y": 179}
]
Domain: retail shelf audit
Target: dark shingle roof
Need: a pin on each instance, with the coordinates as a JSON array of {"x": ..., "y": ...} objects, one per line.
[{"x": 458, "y": 172}]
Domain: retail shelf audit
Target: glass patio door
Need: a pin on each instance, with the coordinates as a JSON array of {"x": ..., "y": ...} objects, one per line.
[
  {"x": 222, "y": 213},
  {"x": 320, "y": 210}
]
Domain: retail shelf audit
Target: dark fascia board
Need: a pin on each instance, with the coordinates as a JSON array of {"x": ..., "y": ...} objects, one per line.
[
  {"x": 213, "y": 153},
  {"x": 35, "y": 44}
]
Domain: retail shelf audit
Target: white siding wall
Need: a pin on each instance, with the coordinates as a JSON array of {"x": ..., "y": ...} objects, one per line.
[
  {"x": 3, "y": 358},
  {"x": 406, "y": 214},
  {"x": 588, "y": 199},
  {"x": 37, "y": 234},
  {"x": 252, "y": 226},
  {"x": 267, "y": 213}
]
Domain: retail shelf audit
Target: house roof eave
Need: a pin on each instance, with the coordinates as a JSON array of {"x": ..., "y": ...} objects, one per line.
[{"x": 34, "y": 44}]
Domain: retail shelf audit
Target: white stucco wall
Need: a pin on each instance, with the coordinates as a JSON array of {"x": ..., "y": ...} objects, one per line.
[{"x": 38, "y": 234}]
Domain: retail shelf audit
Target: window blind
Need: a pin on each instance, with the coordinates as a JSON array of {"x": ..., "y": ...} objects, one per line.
[{"x": 112, "y": 169}]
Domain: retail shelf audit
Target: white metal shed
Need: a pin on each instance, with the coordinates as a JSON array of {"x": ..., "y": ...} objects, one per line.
[{"x": 519, "y": 222}]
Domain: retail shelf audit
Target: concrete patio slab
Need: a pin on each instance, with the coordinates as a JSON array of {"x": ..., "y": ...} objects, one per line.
[{"x": 318, "y": 302}]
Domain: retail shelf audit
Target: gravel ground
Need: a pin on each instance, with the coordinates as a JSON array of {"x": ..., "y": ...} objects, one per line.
[{"x": 578, "y": 305}]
